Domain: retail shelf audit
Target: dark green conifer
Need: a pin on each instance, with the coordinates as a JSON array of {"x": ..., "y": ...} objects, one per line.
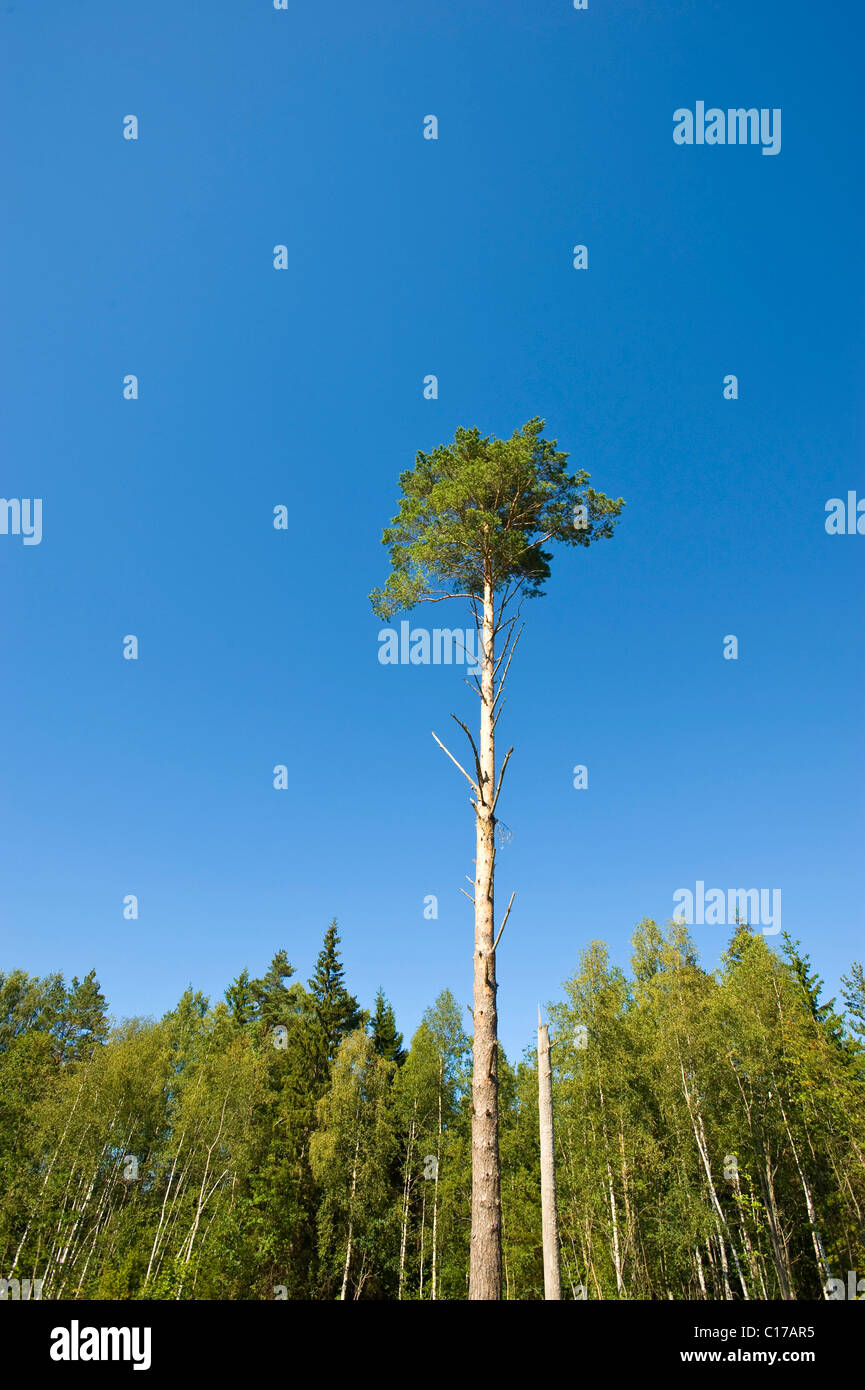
[{"x": 387, "y": 1041}]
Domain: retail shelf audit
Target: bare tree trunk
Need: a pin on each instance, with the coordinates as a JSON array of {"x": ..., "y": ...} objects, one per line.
[
  {"x": 699, "y": 1263},
  {"x": 436, "y": 1191},
  {"x": 485, "y": 1280},
  {"x": 485, "y": 1258},
  {"x": 617, "y": 1259},
  {"x": 347, "y": 1263},
  {"x": 549, "y": 1209}
]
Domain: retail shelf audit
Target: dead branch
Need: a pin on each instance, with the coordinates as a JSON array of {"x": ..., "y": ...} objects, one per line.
[
  {"x": 470, "y": 780},
  {"x": 468, "y": 735},
  {"x": 501, "y": 779},
  {"x": 504, "y": 923}
]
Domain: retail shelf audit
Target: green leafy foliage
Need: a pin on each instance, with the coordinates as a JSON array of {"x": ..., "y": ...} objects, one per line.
[{"x": 710, "y": 1132}]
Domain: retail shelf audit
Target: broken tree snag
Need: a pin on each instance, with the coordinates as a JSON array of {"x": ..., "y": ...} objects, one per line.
[{"x": 549, "y": 1206}]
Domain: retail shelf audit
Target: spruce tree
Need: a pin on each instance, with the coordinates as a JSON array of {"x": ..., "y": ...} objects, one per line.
[
  {"x": 275, "y": 999},
  {"x": 82, "y": 1024},
  {"x": 239, "y": 999},
  {"x": 337, "y": 1012},
  {"x": 811, "y": 986},
  {"x": 386, "y": 1039},
  {"x": 853, "y": 994}
]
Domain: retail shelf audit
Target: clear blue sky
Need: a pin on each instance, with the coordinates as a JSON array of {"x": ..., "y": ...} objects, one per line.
[{"x": 304, "y": 387}]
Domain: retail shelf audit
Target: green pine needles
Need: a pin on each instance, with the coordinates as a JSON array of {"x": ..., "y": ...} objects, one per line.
[{"x": 482, "y": 509}]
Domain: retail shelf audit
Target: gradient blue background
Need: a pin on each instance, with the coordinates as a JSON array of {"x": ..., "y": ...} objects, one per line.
[{"x": 410, "y": 257}]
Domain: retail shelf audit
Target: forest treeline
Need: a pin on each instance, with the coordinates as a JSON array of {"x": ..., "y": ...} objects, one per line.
[{"x": 283, "y": 1143}]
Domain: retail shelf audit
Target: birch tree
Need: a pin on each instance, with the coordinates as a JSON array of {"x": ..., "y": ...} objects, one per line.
[
  {"x": 473, "y": 520},
  {"x": 351, "y": 1155}
]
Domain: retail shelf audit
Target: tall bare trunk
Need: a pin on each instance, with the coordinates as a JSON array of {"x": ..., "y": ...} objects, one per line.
[
  {"x": 347, "y": 1263},
  {"x": 436, "y": 1190},
  {"x": 485, "y": 1281},
  {"x": 549, "y": 1208}
]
